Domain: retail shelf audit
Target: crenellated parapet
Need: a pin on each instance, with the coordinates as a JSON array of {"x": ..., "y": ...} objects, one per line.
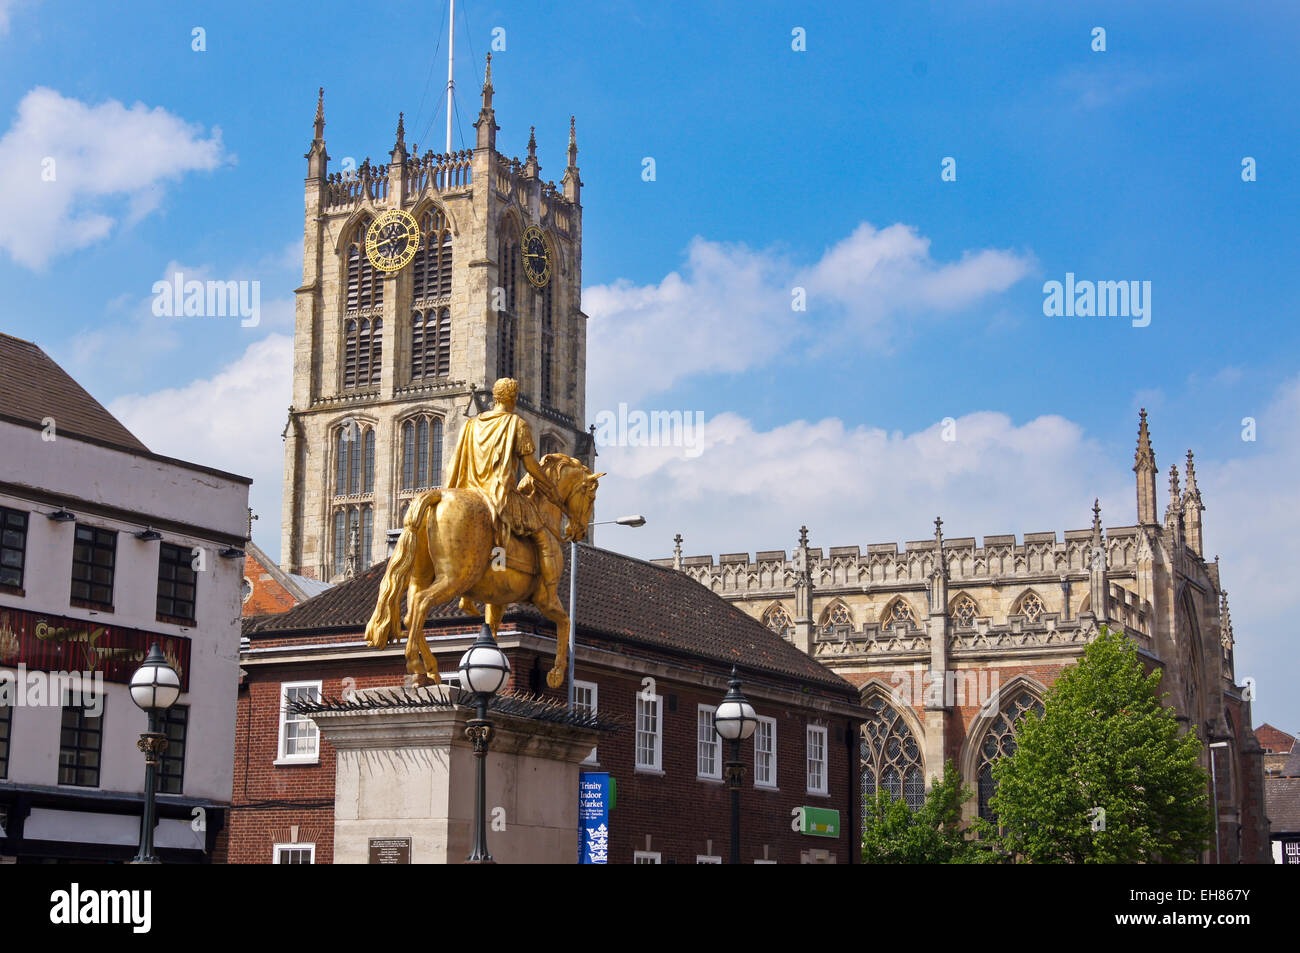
[{"x": 1040, "y": 556}]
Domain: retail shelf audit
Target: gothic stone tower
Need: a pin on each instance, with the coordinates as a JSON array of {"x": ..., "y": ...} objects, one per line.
[{"x": 387, "y": 366}]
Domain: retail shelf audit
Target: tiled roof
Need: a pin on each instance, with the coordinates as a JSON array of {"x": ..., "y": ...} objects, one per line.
[
  {"x": 622, "y": 598},
  {"x": 1292, "y": 767},
  {"x": 33, "y": 387},
  {"x": 1282, "y": 804}
]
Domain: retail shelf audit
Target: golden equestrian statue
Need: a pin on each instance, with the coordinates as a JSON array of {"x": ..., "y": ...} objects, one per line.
[{"x": 485, "y": 538}]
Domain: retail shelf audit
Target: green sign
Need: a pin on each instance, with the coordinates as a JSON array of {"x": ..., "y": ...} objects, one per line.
[{"x": 819, "y": 821}]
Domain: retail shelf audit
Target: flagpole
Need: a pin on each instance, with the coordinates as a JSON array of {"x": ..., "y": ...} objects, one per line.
[{"x": 451, "y": 83}]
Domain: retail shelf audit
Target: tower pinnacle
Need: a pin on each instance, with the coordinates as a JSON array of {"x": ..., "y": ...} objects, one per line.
[
  {"x": 320, "y": 114},
  {"x": 1144, "y": 465}
]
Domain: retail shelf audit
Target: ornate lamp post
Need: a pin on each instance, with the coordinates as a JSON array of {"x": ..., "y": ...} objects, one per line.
[
  {"x": 484, "y": 670},
  {"x": 1214, "y": 784},
  {"x": 735, "y": 721},
  {"x": 155, "y": 686},
  {"x": 633, "y": 521}
]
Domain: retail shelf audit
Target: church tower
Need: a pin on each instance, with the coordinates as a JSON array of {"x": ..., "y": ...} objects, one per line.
[{"x": 394, "y": 350}]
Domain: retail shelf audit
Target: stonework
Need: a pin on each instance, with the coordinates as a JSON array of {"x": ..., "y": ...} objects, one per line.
[
  {"x": 497, "y": 320},
  {"x": 952, "y": 635}
]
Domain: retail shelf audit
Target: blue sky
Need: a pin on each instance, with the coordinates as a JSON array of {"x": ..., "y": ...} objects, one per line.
[{"x": 774, "y": 169}]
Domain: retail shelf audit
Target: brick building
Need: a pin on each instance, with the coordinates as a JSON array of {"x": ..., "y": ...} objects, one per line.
[
  {"x": 654, "y": 651},
  {"x": 1277, "y": 745},
  {"x": 268, "y": 588}
]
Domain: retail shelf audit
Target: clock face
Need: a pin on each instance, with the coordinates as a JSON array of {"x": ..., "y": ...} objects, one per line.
[
  {"x": 392, "y": 240},
  {"x": 536, "y": 251}
]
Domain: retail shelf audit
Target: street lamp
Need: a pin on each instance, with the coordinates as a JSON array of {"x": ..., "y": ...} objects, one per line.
[
  {"x": 155, "y": 686},
  {"x": 633, "y": 521},
  {"x": 1214, "y": 783},
  {"x": 735, "y": 721},
  {"x": 484, "y": 670}
]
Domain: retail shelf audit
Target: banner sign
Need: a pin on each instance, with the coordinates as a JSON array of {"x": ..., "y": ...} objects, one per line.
[
  {"x": 820, "y": 822},
  {"x": 51, "y": 643},
  {"x": 593, "y": 816}
]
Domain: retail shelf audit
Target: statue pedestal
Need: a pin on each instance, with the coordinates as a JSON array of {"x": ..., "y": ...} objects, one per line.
[{"x": 409, "y": 772}]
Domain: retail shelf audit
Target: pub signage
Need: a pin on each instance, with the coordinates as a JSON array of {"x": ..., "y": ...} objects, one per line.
[{"x": 51, "y": 643}]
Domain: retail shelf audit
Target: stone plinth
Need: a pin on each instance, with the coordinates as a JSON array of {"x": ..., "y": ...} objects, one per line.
[{"x": 409, "y": 771}]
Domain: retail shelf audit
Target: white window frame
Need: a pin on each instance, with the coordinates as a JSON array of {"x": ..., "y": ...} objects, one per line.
[
  {"x": 818, "y": 731},
  {"x": 304, "y": 758},
  {"x": 771, "y": 782},
  {"x": 708, "y": 859},
  {"x": 715, "y": 741},
  {"x": 647, "y": 857},
  {"x": 657, "y": 766},
  {"x": 579, "y": 685},
  {"x": 310, "y": 848}
]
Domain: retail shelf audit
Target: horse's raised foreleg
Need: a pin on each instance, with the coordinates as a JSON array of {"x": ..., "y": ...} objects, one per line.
[{"x": 551, "y": 608}]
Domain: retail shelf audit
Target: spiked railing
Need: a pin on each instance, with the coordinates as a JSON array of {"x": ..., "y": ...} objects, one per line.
[{"x": 535, "y": 707}]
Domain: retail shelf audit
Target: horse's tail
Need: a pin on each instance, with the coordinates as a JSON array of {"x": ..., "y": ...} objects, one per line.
[{"x": 385, "y": 623}]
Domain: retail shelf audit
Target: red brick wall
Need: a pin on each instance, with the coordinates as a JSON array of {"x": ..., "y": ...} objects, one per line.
[
  {"x": 268, "y": 595},
  {"x": 679, "y": 811}
]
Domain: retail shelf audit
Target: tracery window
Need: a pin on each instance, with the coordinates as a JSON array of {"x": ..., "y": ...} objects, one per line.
[
  {"x": 549, "y": 444},
  {"x": 890, "y": 757},
  {"x": 358, "y": 520},
  {"x": 365, "y": 284},
  {"x": 1000, "y": 741},
  {"x": 430, "y": 343},
  {"x": 778, "y": 620},
  {"x": 363, "y": 348},
  {"x": 422, "y": 452},
  {"x": 1031, "y": 607},
  {"x": 548, "y": 343},
  {"x": 431, "y": 266},
  {"x": 900, "y": 612},
  {"x": 354, "y": 457},
  {"x": 505, "y": 301},
  {"x": 836, "y": 618},
  {"x": 964, "y": 611}
]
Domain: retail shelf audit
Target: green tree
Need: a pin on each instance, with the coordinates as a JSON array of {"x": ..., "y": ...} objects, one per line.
[
  {"x": 1104, "y": 776},
  {"x": 892, "y": 833}
]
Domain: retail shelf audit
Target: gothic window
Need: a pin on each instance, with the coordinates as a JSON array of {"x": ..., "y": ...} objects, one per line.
[
  {"x": 430, "y": 343},
  {"x": 899, "y": 612},
  {"x": 431, "y": 266},
  {"x": 1000, "y": 741},
  {"x": 506, "y": 299},
  {"x": 548, "y": 343},
  {"x": 421, "y": 453},
  {"x": 1031, "y": 607},
  {"x": 353, "y": 526},
  {"x": 363, "y": 343},
  {"x": 890, "y": 757},
  {"x": 778, "y": 620},
  {"x": 836, "y": 619},
  {"x": 964, "y": 611},
  {"x": 354, "y": 458},
  {"x": 550, "y": 444},
  {"x": 365, "y": 285}
]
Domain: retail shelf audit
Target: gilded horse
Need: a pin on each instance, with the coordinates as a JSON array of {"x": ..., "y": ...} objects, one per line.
[{"x": 447, "y": 550}]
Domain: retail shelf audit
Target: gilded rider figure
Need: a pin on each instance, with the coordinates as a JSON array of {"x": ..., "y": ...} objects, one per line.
[{"x": 488, "y": 453}]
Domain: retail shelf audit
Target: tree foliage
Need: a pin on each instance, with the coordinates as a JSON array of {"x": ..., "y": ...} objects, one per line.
[
  {"x": 892, "y": 833},
  {"x": 1105, "y": 741}
]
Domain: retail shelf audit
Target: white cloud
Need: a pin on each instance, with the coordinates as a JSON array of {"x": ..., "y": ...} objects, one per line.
[
  {"x": 730, "y": 307},
  {"x": 231, "y": 421},
  {"x": 109, "y": 164},
  {"x": 750, "y": 489}
]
